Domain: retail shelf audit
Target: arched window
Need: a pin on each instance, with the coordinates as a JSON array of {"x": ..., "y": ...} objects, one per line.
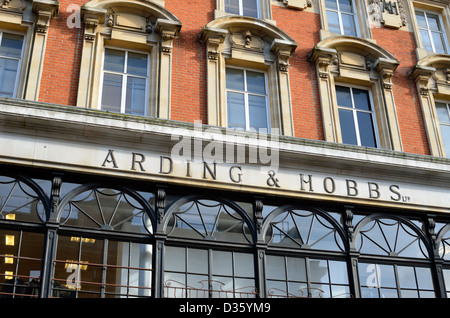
[
  {"x": 399, "y": 270},
  {"x": 443, "y": 244},
  {"x": 307, "y": 274},
  {"x": 107, "y": 209},
  {"x": 209, "y": 219},
  {"x": 22, "y": 200},
  {"x": 94, "y": 257},
  {"x": 225, "y": 268},
  {"x": 305, "y": 229},
  {"x": 23, "y": 205}
]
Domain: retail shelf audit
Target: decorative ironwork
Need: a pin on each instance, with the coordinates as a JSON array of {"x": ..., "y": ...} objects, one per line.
[
  {"x": 107, "y": 209},
  {"x": 307, "y": 292},
  {"x": 390, "y": 237},
  {"x": 21, "y": 201},
  {"x": 207, "y": 289},
  {"x": 210, "y": 219},
  {"x": 305, "y": 229}
]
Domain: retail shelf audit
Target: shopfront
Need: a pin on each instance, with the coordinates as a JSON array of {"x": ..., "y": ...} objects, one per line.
[{"x": 109, "y": 211}]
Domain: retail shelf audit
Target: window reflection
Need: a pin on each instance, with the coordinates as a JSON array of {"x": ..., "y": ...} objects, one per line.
[
  {"x": 305, "y": 277},
  {"x": 395, "y": 281},
  {"x": 197, "y": 273},
  {"x": 88, "y": 267},
  {"x": 20, "y": 263}
]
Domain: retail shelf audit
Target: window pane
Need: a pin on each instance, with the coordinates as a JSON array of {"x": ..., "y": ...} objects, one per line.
[
  {"x": 333, "y": 22},
  {"x": 366, "y": 130},
  {"x": 232, "y": 6},
  {"x": 343, "y": 96},
  {"x": 243, "y": 265},
  {"x": 11, "y": 45},
  {"x": 424, "y": 279},
  {"x": 361, "y": 99},
  {"x": 406, "y": 277},
  {"x": 331, "y": 4},
  {"x": 338, "y": 272},
  {"x": 319, "y": 271},
  {"x": 8, "y": 73},
  {"x": 114, "y": 60},
  {"x": 235, "y": 79},
  {"x": 438, "y": 42},
  {"x": 250, "y": 8},
  {"x": 197, "y": 261},
  {"x": 256, "y": 83},
  {"x": 433, "y": 22},
  {"x": 442, "y": 112},
  {"x": 112, "y": 92},
  {"x": 347, "y": 127},
  {"x": 445, "y": 132},
  {"x": 135, "y": 99},
  {"x": 257, "y": 112},
  {"x": 348, "y": 24},
  {"x": 386, "y": 278},
  {"x": 275, "y": 267},
  {"x": 345, "y": 6},
  {"x": 296, "y": 269},
  {"x": 388, "y": 293},
  {"x": 278, "y": 289},
  {"x": 137, "y": 64},
  {"x": 426, "y": 41},
  {"x": 298, "y": 289},
  {"x": 236, "y": 110},
  {"x": 420, "y": 17},
  {"x": 222, "y": 263},
  {"x": 175, "y": 259}
]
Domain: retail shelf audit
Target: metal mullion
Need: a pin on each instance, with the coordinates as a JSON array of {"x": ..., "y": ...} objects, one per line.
[{"x": 104, "y": 268}]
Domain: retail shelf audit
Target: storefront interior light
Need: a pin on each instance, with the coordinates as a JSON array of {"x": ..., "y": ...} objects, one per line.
[{"x": 9, "y": 240}]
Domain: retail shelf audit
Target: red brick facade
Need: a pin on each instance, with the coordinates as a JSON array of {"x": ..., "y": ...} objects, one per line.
[{"x": 59, "y": 81}]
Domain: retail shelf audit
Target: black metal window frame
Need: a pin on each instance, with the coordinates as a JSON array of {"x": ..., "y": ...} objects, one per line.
[{"x": 164, "y": 195}]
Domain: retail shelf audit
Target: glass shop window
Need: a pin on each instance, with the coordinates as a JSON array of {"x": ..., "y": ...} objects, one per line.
[
  {"x": 88, "y": 267},
  {"x": 201, "y": 273},
  {"x": 306, "y": 277},
  {"x": 20, "y": 263}
]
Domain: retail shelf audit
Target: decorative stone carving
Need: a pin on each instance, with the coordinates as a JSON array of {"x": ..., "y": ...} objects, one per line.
[
  {"x": 298, "y": 4},
  {"x": 45, "y": 10},
  {"x": 247, "y": 41},
  {"x": 213, "y": 38},
  {"x": 14, "y": 5},
  {"x": 168, "y": 30}
]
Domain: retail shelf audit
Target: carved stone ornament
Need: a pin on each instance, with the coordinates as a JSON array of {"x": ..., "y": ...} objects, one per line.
[
  {"x": 247, "y": 41},
  {"x": 297, "y": 4},
  {"x": 14, "y": 5},
  {"x": 45, "y": 10}
]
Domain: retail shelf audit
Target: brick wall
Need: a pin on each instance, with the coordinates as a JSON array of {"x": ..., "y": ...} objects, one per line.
[
  {"x": 409, "y": 114},
  {"x": 302, "y": 74},
  {"x": 59, "y": 82},
  {"x": 188, "y": 100}
]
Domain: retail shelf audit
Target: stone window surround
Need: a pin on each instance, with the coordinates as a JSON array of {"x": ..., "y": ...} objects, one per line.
[
  {"x": 30, "y": 19},
  {"x": 351, "y": 60},
  {"x": 432, "y": 77},
  {"x": 252, "y": 43},
  {"x": 146, "y": 27},
  {"x": 442, "y": 10}
]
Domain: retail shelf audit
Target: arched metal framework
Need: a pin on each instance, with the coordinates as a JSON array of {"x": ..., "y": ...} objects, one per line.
[{"x": 220, "y": 227}]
